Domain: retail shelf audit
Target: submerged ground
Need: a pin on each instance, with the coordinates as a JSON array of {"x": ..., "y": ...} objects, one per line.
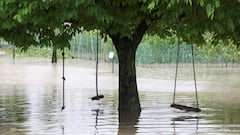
[{"x": 31, "y": 99}]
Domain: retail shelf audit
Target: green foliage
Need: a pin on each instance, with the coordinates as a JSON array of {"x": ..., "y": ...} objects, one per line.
[
  {"x": 27, "y": 23},
  {"x": 219, "y": 53}
]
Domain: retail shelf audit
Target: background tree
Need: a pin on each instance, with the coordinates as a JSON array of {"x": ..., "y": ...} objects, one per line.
[
  {"x": 54, "y": 55},
  {"x": 125, "y": 21}
]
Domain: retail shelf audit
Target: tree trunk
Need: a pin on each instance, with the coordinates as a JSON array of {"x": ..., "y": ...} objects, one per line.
[
  {"x": 126, "y": 50},
  {"x": 128, "y": 93},
  {"x": 14, "y": 53},
  {"x": 54, "y": 56}
]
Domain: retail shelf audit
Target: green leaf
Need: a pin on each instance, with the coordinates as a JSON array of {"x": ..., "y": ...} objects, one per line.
[
  {"x": 201, "y": 2},
  {"x": 217, "y": 3},
  {"x": 230, "y": 24},
  {"x": 188, "y": 2},
  {"x": 18, "y": 18},
  {"x": 151, "y": 5},
  {"x": 210, "y": 10}
]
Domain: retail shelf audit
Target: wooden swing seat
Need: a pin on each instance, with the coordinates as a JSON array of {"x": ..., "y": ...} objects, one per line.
[
  {"x": 186, "y": 108},
  {"x": 97, "y": 97}
]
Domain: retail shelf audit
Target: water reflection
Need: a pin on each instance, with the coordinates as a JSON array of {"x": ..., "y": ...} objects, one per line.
[
  {"x": 127, "y": 123},
  {"x": 97, "y": 111},
  {"x": 13, "y": 112},
  {"x": 96, "y": 122},
  {"x": 31, "y": 100},
  {"x": 190, "y": 124}
]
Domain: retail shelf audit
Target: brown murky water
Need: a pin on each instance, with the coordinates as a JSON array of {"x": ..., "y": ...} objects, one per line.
[{"x": 31, "y": 100}]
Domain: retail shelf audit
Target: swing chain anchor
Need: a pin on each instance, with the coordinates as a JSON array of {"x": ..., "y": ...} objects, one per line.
[{"x": 63, "y": 107}]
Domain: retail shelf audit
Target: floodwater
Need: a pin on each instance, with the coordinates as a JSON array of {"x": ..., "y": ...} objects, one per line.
[{"x": 31, "y": 100}]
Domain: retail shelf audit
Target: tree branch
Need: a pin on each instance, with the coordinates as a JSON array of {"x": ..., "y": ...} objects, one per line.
[{"x": 139, "y": 32}]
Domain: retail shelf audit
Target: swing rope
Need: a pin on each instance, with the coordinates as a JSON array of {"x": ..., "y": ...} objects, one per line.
[
  {"x": 176, "y": 72},
  {"x": 97, "y": 67},
  {"x": 97, "y": 97},
  {"x": 194, "y": 75},
  {"x": 63, "y": 77},
  {"x": 182, "y": 107}
]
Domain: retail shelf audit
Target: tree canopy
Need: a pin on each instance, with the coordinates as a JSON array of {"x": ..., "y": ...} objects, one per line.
[{"x": 42, "y": 21}]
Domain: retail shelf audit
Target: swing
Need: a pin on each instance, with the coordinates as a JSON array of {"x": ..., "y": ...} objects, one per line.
[
  {"x": 97, "y": 97},
  {"x": 183, "y": 107},
  {"x": 63, "y": 77}
]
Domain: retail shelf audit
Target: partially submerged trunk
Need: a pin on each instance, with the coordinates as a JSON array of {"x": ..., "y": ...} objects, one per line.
[
  {"x": 126, "y": 50},
  {"x": 54, "y": 56},
  {"x": 127, "y": 122}
]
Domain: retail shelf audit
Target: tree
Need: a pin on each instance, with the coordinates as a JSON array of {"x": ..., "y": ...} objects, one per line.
[
  {"x": 54, "y": 55},
  {"x": 124, "y": 21}
]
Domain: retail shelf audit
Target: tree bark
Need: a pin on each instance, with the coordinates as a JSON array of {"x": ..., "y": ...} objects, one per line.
[{"x": 126, "y": 50}]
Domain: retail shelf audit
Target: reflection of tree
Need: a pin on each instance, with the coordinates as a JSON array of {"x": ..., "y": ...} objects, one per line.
[{"x": 127, "y": 122}]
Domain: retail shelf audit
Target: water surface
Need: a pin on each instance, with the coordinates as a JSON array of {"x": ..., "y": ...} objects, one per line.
[{"x": 31, "y": 100}]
